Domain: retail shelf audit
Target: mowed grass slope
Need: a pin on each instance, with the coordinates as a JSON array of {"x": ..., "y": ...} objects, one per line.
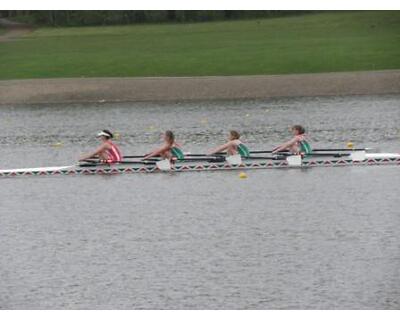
[{"x": 321, "y": 42}]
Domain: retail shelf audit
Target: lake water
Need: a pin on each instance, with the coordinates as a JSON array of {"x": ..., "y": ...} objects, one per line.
[{"x": 322, "y": 238}]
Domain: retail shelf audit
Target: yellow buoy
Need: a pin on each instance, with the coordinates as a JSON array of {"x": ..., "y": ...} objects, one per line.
[
  {"x": 117, "y": 136},
  {"x": 242, "y": 175},
  {"x": 57, "y": 144},
  {"x": 350, "y": 145}
]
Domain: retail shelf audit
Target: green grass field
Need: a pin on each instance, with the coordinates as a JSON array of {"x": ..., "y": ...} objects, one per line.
[
  {"x": 321, "y": 42},
  {"x": 2, "y": 30}
]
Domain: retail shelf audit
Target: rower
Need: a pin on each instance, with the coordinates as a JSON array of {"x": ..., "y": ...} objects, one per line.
[
  {"x": 233, "y": 146},
  {"x": 170, "y": 150},
  {"x": 298, "y": 144},
  {"x": 107, "y": 151}
]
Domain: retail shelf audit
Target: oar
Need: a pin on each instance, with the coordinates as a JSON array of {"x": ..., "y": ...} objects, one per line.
[
  {"x": 139, "y": 162},
  {"x": 188, "y": 157},
  {"x": 210, "y": 159},
  {"x": 348, "y": 149},
  {"x": 204, "y": 154},
  {"x": 316, "y": 150},
  {"x": 138, "y": 157},
  {"x": 284, "y": 152},
  {"x": 324, "y": 154},
  {"x": 219, "y": 157},
  {"x": 97, "y": 160},
  {"x": 91, "y": 162},
  {"x": 252, "y": 152},
  {"x": 277, "y": 157},
  {"x": 186, "y": 154},
  {"x": 151, "y": 161}
]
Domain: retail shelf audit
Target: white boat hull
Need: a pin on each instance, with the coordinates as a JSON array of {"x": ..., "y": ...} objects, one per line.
[
  {"x": 41, "y": 169},
  {"x": 368, "y": 160}
]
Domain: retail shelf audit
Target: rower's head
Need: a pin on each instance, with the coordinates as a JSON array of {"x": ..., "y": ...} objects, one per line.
[
  {"x": 297, "y": 129},
  {"x": 234, "y": 135},
  {"x": 169, "y": 137},
  {"x": 105, "y": 135}
]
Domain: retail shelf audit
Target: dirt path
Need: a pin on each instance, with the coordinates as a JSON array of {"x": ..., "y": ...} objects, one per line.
[
  {"x": 198, "y": 88},
  {"x": 14, "y": 30}
]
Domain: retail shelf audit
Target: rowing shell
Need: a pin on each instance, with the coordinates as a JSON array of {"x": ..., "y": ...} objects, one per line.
[{"x": 367, "y": 160}]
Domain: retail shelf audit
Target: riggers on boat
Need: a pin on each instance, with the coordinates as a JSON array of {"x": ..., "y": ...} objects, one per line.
[{"x": 218, "y": 163}]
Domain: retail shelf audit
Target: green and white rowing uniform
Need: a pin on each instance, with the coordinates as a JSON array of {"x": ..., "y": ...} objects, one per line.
[
  {"x": 303, "y": 145},
  {"x": 243, "y": 150},
  {"x": 177, "y": 153}
]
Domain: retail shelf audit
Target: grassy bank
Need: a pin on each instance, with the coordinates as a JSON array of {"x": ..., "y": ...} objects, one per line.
[{"x": 324, "y": 42}]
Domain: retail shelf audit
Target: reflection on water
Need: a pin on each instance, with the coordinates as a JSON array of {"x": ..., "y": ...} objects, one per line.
[{"x": 317, "y": 238}]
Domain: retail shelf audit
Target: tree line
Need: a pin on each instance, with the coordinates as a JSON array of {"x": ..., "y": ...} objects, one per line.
[{"x": 93, "y": 18}]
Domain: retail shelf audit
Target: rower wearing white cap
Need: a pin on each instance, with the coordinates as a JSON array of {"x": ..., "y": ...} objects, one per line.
[{"x": 107, "y": 151}]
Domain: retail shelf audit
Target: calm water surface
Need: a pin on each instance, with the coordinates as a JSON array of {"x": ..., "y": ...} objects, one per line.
[{"x": 281, "y": 239}]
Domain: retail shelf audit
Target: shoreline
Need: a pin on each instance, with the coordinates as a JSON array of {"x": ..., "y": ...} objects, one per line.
[{"x": 75, "y": 90}]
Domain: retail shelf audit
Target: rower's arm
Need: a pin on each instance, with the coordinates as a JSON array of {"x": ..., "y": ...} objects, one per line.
[
  {"x": 156, "y": 152},
  {"x": 285, "y": 146},
  {"x": 97, "y": 152},
  {"x": 221, "y": 148},
  {"x": 178, "y": 145}
]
